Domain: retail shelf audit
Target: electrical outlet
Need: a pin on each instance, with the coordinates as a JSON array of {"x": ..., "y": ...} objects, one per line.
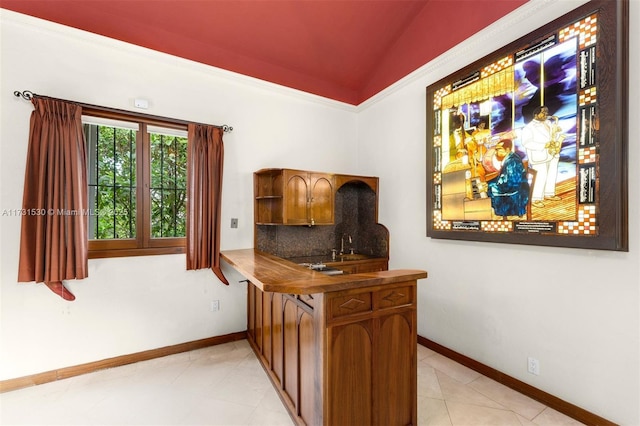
[
  {"x": 533, "y": 366},
  {"x": 234, "y": 223},
  {"x": 215, "y": 306}
]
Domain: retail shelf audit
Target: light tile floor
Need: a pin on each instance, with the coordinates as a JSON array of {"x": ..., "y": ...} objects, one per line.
[{"x": 225, "y": 385}]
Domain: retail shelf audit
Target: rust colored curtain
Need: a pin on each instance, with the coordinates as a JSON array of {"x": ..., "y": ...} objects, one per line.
[
  {"x": 53, "y": 237},
  {"x": 205, "y": 157}
]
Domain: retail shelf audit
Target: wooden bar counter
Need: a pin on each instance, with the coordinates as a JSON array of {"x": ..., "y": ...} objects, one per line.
[{"x": 341, "y": 349}]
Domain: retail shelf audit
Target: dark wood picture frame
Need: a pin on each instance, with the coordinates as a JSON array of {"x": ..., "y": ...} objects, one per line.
[{"x": 577, "y": 67}]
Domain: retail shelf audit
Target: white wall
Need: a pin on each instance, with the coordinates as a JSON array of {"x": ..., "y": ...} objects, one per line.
[
  {"x": 134, "y": 304},
  {"x": 579, "y": 319}
]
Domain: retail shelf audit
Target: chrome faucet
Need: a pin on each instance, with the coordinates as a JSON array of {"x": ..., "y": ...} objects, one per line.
[{"x": 342, "y": 244}]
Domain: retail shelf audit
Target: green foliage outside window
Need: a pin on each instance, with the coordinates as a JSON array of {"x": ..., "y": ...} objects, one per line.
[
  {"x": 168, "y": 186},
  {"x": 113, "y": 180}
]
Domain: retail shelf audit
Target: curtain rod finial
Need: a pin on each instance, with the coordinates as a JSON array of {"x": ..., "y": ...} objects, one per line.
[{"x": 26, "y": 94}]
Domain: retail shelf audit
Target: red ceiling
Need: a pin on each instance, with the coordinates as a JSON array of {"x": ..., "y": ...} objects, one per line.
[{"x": 343, "y": 50}]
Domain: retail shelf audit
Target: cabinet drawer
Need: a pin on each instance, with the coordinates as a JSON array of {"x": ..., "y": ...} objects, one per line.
[
  {"x": 342, "y": 306},
  {"x": 389, "y": 298}
]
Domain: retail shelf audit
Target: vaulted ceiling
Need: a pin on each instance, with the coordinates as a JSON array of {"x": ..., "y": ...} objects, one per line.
[{"x": 343, "y": 50}]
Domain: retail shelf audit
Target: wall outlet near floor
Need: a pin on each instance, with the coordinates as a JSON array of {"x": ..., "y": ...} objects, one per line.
[
  {"x": 215, "y": 306},
  {"x": 533, "y": 366}
]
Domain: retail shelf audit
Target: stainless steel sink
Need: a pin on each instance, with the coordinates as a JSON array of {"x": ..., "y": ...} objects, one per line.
[{"x": 321, "y": 267}]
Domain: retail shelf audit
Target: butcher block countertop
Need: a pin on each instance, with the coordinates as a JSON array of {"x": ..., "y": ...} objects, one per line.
[{"x": 273, "y": 274}]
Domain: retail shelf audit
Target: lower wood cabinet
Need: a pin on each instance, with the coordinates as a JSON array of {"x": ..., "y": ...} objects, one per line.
[{"x": 343, "y": 357}]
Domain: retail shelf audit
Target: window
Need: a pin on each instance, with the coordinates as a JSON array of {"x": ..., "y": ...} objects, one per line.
[{"x": 137, "y": 175}]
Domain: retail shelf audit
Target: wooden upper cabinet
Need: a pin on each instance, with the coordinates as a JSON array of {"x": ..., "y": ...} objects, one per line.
[
  {"x": 308, "y": 198},
  {"x": 293, "y": 197},
  {"x": 321, "y": 206},
  {"x": 268, "y": 190},
  {"x": 296, "y": 197}
]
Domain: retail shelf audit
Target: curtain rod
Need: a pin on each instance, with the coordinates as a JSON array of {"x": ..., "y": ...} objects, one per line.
[{"x": 28, "y": 95}]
